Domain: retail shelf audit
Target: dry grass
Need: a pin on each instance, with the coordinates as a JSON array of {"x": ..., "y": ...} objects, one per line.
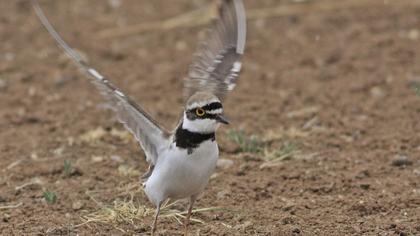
[
  {"x": 267, "y": 147},
  {"x": 130, "y": 211},
  {"x": 275, "y": 157},
  {"x": 11, "y": 206}
]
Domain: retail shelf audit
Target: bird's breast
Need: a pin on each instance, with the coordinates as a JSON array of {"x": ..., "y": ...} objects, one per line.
[{"x": 180, "y": 175}]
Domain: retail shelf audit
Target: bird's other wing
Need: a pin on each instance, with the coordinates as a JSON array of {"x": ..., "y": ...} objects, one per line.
[
  {"x": 216, "y": 64},
  {"x": 151, "y": 136}
]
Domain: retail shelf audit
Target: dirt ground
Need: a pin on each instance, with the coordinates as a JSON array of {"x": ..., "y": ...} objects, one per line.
[{"x": 338, "y": 81}]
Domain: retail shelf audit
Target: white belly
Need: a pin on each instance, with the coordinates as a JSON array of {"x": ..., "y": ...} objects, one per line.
[{"x": 178, "y": 175}]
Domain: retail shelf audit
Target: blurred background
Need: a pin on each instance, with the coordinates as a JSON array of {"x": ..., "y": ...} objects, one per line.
[{"x": 325, "y": 126}]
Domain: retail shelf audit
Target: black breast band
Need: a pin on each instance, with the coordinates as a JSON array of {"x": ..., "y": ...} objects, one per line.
[{"x": 189, "y": 140}]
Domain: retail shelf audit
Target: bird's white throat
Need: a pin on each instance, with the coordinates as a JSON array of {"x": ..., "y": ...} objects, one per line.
[{"x": 203, "y": 126}]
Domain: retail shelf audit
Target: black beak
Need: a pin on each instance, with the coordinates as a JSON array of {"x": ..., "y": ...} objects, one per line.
[{"x": 222, "y": 119}]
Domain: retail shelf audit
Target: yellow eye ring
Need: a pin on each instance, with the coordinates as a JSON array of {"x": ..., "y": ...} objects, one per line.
[{"x": 200, "y": 111}]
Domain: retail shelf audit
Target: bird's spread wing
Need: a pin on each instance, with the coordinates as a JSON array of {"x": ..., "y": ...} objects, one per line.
[
  {"x": 216, "y": 64},
  {"x": 148, "y": 133}
]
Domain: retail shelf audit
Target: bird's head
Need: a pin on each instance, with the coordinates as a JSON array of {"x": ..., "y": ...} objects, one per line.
[{"x": 203, "y": 113}]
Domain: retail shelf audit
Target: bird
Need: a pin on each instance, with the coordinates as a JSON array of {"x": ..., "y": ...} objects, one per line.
[{"x": 180, "y": 161}]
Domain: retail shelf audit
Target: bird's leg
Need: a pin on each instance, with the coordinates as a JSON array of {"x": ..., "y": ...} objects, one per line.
[
  {"x": 156, "y": 217},
  {"x": 187, "y": 219}
]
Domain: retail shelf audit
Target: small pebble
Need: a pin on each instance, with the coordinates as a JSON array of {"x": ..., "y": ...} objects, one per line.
[
  {"x": 223, "y": 194},
  {"x": 296, "y": 231},
  {"x": 365, "y": 186},
  {"x": 77, "y": 205},
  {"x": 97, "y": 159},
  {"x": 224, "y": 163},
  {"x": 6, "y": 217},
  {"x": 413, "y": 34},
  {"x": 32, "y": 91},
  {"x": 377, "y": 92},
  {"x": 401, "y": 160},
  {"x": 58, "y": 151},
  {"x": 34, "y": 156},
  {"x": 116, "y": 158}
]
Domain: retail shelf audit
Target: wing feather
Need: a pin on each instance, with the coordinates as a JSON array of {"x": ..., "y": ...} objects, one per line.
[
  {"x": 216, "y": 64},
  {"x": 151, "y": 136}
]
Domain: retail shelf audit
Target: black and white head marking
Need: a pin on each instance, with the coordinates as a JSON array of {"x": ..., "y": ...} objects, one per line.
[
  {"x": 202, "y": 115},
  {"x": 211, "y": 111}
]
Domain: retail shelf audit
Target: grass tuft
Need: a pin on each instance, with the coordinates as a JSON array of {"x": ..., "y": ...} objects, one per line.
[
  {"x": 68, "y": 168},
  {"x": 415, "y": 86},
  {"x": 50, "y": 197},
  {"x": 286, "y": 152},
  {"x": 251, "y": 144}
]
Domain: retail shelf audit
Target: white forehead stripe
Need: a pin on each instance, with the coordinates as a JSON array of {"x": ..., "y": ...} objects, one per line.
[
  {"x": 201, "y": 104},
  {"x": 217, "y": 111}
]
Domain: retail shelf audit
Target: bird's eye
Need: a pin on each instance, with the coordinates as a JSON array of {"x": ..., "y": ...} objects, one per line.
[{"x": 200, "y": 111}]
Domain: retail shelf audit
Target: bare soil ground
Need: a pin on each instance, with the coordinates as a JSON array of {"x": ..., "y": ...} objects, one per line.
[{"x": 334, "y": 83}]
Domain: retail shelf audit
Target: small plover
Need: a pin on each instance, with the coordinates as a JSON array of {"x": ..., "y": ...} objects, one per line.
[{"x": 180, "y": 162}]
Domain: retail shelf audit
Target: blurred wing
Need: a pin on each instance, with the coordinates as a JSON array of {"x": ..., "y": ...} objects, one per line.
[
  {"x": 148, "y": 133},
  {"x": 216, "y": 64}
]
